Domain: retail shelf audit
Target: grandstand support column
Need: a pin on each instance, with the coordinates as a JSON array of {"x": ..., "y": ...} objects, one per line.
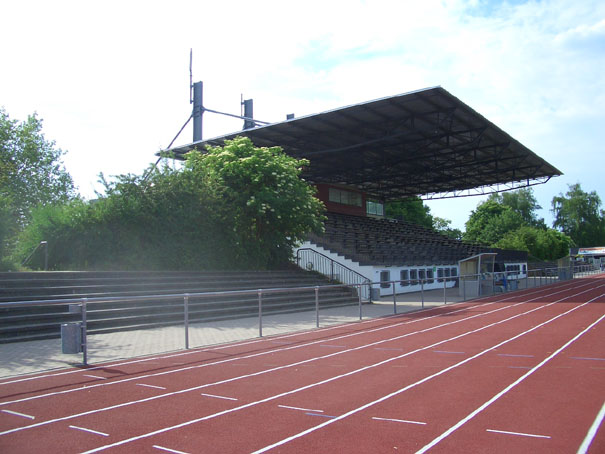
[
  {"x": 260, "y": 312},
  {"x": 186, "y": 315}
]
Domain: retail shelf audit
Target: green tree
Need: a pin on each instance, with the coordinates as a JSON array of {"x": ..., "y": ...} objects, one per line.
[
  {"x": 410, "y": 210},
  {"x": 578, "y": 214},
  {"x": 523, "y": 202},
  {"x": 233, "y": 207},
  {"x": 442, "y": 226},
  {"x": 490, "y": 221},
  {"x": 31, "y": 174},
  {"x": 541, "y": 244},
  {"x": 268, "y": 205}
]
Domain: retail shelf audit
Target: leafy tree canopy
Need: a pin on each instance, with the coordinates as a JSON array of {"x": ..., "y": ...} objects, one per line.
[
  {"x": 523, "y": 202},
  {"x": 541, "y": 244},
  {"x": 232, "y": 207},
  {"x": 31, "y": 174},
  {"x": 489, "y": 222},
  {"x": 578, "y": 214},
  {"x": 410, "y": 210},
  {"x": 31, "y": 170}
]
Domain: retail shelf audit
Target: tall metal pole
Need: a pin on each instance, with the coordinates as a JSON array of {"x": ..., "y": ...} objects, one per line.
[{"x": 198, "y": 110}]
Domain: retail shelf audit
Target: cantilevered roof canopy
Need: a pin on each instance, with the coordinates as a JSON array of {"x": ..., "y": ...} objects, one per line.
[{"x": 426, "y": 143}]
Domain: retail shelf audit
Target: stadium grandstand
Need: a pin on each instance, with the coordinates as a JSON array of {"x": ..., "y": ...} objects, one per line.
[{"x": 425, "y": 143}]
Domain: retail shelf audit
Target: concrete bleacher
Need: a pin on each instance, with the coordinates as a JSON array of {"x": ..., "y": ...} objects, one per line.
[
  {"x": 42, "y": 322},
  {"x": 388, "y": 242}
]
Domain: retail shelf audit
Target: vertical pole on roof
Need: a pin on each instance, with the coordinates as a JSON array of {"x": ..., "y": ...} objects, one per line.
[
  {"x": 186, "y": 315},
  {"x": 394, "y": 300},
  {"x": 316, "y": 306},
  {"x": 359, "y": 293},
  {"x": 84, "y": 339},
  {"x": 198, "y": 110},
  {"x": 260, "y": 313}
]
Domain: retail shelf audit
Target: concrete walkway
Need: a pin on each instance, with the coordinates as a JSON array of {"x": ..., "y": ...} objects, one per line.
[{"x": 36, "y": 356}]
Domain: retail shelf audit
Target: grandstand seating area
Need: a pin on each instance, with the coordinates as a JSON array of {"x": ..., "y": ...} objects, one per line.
[
  {"x": 389, "y": 242},
  {"x": 41, "y": 322},
  {"x": 371, "y": 241}
]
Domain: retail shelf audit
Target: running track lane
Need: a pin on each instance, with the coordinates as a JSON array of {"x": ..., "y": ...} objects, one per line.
[{"x": 217, "y": 420}]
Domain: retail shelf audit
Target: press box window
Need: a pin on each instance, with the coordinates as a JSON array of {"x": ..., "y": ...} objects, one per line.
[
  {"x": 430, "y": 276},
  {"x": 344, "y": 197},
  {"x": 414, "y": 276},
  {"x": 404, "y": 276},
  {"x": 375, "y": 208},
  {"x": 385, "y": 277}
]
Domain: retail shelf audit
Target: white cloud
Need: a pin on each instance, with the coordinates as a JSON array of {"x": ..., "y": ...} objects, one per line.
[{"x": 111, "y": 79}]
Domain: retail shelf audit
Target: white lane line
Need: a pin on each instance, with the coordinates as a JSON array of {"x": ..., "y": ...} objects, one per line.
[
  {"x": 16, "y": 413},
  {"x": 169, "y": 450},
  {"x": 218, "y": 397},
  {"x": 399, "y": 420},
  {"x": 150, "y": 386},
  {"x": 96, "y": 432},
  {"x": 388, "y": 396},
  {"x": 520, "y": 434},
  {"x": 515, "y": 356},
  {"x": 508, "y": 388},
  {"x": 476, "y": 302},
  {"x": 95, "y": 376},
  {"x": 312, "y": 385},
  {"x": 301, "y": 409},
  {"x": 124, "y": 404},
  {"x": 299, "y": 363},
  {"x": 253, "y": 355},
  {"x": 592, "y": 431}
]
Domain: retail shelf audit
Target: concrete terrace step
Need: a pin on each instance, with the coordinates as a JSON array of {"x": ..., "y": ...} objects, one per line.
[{"x": 41, "y": 322}]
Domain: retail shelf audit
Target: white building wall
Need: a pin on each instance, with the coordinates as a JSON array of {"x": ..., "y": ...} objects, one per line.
[{"x": 373, "y": 273}]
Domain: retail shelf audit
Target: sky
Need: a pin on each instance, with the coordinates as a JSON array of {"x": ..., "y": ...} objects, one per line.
[{"x": 111, "y": 79}]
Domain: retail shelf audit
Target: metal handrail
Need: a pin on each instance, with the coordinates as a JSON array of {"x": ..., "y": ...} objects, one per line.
[
  {"x": 42, "y": 243},
  {"x": 331, "y": 268}
]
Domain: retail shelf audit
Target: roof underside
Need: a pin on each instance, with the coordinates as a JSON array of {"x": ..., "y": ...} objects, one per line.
[{"x": 425, "y": 143}]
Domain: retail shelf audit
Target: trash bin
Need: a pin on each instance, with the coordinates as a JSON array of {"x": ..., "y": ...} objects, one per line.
[{"x": 71, "y": 337}]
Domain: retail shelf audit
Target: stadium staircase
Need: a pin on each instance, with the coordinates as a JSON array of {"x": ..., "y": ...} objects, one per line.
[{"x": 43, "y": 322}]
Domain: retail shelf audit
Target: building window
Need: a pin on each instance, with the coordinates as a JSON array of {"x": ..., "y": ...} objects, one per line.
[
  {"x": 422, "y": 274},
  {"x": 439, "y": 274},
  {"x": 344, "y": 197},
  {"x": 404, "y": 276},
  {"x": 385, "y": 277},
  {"x": 414, "y": 277},
  {"x": 374, "y": 208},
  {"x": 430, "y": 276}
]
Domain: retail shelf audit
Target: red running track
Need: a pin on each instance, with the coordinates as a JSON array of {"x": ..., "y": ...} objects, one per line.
[{"x": 522, "y": 372}]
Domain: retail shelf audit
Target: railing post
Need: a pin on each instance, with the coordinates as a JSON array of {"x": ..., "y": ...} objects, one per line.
[
  {"x": 316, "y": 306},
  {"x": 444, "y": 287},
  {"x": 260, "y": 313},
  {"x": 331, "y": 270},
  {"x": 394, "y": 300},
  {"x": 463, "y": 289},
  {"x": 422, "y": 292},
  {"x": 186, "y": 315},
  {"x": 84, "y": 335},
  {"x": 360, "y": 314}
]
